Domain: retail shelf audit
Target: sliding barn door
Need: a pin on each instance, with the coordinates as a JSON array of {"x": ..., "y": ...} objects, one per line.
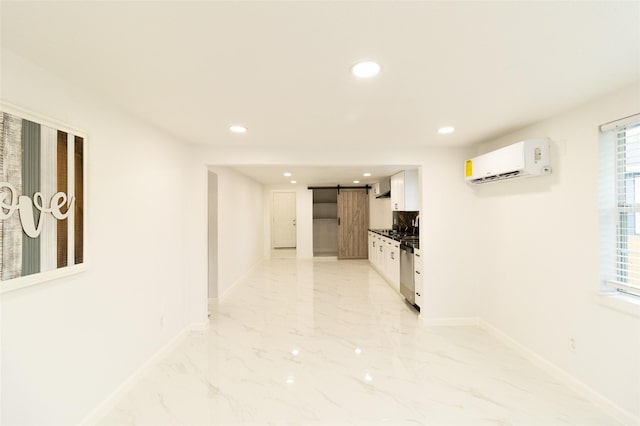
[{"x": 353, "y": 223}]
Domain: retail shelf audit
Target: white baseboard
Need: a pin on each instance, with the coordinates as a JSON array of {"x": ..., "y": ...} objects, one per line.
[
  {"x": 448, "y": 322},
  {"x": 606, "y": 405},
  {"x": 222, "y": 296},
  {"x": 199, "y": 326},
  {"x": 110, "y": 402}
]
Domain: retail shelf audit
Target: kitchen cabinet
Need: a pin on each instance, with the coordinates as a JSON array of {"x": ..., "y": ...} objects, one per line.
[
  {"x": 404, "y": 191},
  {"x": 375, "y": 254},
  {"x": 372, "y": 247},
  {"x": 397, "y": 191},
  {"x": 418, "y": 269},
  {"x": 386, "y": 262},
  {"x": 379, "y": 258},
  {"x": 384, "y": 256},
  {"x": 393, "y": 264}
]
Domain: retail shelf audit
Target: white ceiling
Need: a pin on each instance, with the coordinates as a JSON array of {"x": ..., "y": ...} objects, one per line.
[
  {"x": 282, "y": 68},
  {"x": 319, "y": 175}
]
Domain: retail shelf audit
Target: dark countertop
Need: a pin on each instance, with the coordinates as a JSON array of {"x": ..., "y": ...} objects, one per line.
[{"x": 408, "y": 239}]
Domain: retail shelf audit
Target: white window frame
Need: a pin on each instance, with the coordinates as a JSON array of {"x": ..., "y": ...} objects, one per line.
[{"x": 617, "y": 200}]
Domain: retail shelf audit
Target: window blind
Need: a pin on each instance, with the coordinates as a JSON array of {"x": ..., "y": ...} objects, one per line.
[{"x": 624, "y": 186}]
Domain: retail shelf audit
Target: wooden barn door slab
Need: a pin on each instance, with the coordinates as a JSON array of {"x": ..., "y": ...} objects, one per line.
[{"x": 353, "y": 223}]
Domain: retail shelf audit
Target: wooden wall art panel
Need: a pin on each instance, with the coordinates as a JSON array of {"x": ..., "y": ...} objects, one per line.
[{"x": 42, "y": 199}]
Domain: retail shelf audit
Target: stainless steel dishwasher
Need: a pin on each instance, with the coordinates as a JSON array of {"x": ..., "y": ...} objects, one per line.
[{"x": 407, "y": 280}]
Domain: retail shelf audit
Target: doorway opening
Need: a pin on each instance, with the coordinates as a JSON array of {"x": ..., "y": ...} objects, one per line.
[
  {"x": 325, "y": 222},
  {"x": 340, "y": 222},
  {"x": 283, "y": 224}
]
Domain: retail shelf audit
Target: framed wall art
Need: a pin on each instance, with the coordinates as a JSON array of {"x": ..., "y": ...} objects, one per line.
[{"x": 43, "y": 169}]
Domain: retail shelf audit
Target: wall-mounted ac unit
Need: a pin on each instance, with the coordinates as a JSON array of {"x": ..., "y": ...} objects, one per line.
[{"x": 526, "y": 158}]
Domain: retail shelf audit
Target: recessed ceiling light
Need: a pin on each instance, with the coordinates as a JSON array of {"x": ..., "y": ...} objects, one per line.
[
  {"x": 287, "y": 174},
  {"x": 446, "y": 130},
  {"x": 356, "y": 181},
  {"x": 366, "y": 174},
  {"x": 366, "y": 69},
  {"x": 293, "y": 181},
  {"x": 238, "y": 129}
]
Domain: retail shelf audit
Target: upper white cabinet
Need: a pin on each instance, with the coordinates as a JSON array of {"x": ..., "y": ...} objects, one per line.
[
  {"x": 397, "y": 191},
  {"x": 404, "y": 191}
]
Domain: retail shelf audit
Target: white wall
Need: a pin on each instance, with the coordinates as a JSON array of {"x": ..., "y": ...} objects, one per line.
[
  {"x": 212, "y": 252},
  {"x": 240, "y": 226},
  {"x": 448, "y": 229},
  {"x": 539, "y": 256},
  {"x": 69, "y": 343},
  {"x": 380, "y": 213},
  {"x": 304, "y": 219}
]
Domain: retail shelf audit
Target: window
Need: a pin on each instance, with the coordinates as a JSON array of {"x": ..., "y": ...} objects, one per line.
[{"x": 620, "y": 204}]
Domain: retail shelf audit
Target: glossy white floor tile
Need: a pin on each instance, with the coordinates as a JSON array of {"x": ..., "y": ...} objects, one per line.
[
  {"x": 281, "y": 253},
  {"x": 330, "y": 343}
]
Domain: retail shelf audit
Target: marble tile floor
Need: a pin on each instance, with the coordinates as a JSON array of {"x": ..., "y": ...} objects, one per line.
[
  {"x": 330, "y": 343},
  {"x": 280, "y": 253}
]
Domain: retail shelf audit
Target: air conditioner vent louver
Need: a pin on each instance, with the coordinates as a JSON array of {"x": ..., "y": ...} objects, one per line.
[
  {"x": 501, "y": 176},
  {"x": 526, "y": 158}
]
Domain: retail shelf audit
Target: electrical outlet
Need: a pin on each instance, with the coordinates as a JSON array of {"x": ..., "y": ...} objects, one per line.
[{"x": 572, "y": 344}]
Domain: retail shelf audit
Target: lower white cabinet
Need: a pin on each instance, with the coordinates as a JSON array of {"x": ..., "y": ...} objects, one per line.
[
  {"x": 386, "y": 262},
  {"x": 393, "y": 264},
  {"x": 384, "y": 256},
  {"x": 417, "y": 270},
  {"x": 373, "y": 248},
  {"x": 377, "y": 250}
]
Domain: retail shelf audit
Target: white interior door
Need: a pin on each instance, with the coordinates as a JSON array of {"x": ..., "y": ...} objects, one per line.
[{"x": 284, "y": 220}]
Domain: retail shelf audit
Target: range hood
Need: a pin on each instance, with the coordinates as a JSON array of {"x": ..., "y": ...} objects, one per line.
[{"x": 382, "y": 189}]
